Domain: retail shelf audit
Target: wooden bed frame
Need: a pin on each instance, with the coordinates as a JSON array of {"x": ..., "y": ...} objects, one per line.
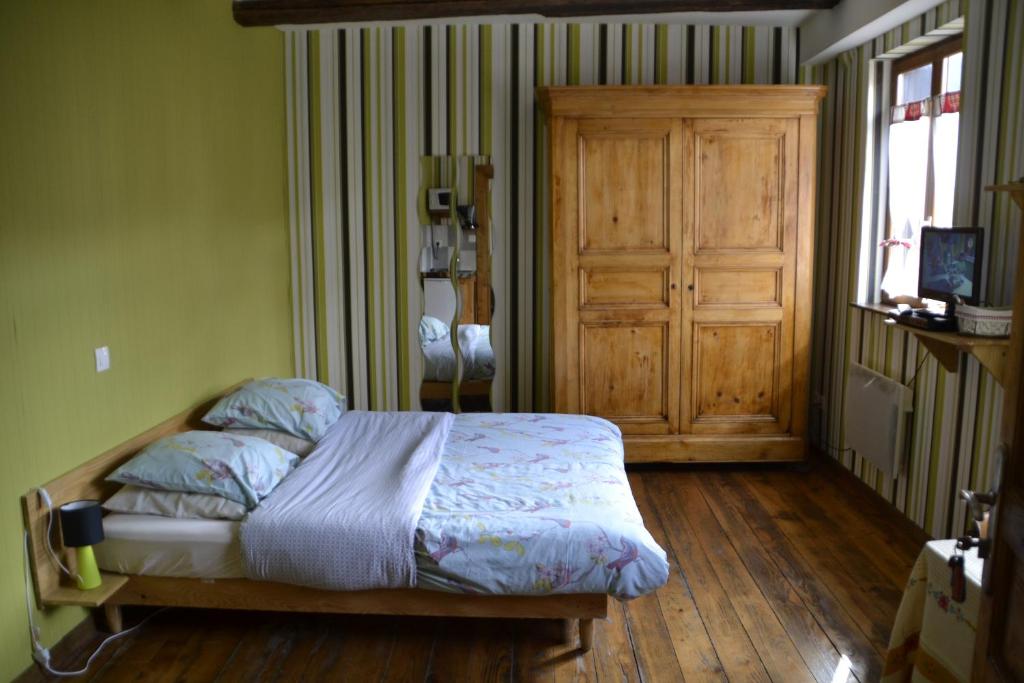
[{"x": 87, "y": 482}]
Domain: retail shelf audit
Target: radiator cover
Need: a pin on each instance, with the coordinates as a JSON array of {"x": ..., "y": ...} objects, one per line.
[{"x": 875, "y": 417}]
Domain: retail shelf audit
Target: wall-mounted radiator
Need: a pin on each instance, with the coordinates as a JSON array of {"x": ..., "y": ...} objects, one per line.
[{"x": 876, "y": 417}]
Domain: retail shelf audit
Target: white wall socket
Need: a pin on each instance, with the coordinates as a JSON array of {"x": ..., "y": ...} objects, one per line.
[{"x": 102, "y": 359}]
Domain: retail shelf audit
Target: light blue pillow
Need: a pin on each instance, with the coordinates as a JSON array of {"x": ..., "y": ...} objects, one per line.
[
  {"x": 301, "y": 407},
  {"x": 432, "y": 329},
  {"x": 240, "y": 468}
]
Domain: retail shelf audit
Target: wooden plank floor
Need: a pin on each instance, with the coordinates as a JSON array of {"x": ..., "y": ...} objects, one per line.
[{"x": 777, "y": 575}]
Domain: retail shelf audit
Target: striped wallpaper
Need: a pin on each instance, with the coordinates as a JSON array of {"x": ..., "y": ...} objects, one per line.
[
  {"x": 957, "y": 416},
  {"x": 366, "y": 103}
]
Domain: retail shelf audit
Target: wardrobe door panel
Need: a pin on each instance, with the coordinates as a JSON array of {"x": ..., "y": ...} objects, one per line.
[
  {"x": 624, "y": 215},
  {"x": 741, "y": 258},
  {"x": 737, "y": 286},
  {"x": 624, "y": 179},
  {"x": 625, "y": 374},
  {"x": 736, "y": 372},
  {"x": 739, "y": 179},
  {"x": 624, "y": 287}
]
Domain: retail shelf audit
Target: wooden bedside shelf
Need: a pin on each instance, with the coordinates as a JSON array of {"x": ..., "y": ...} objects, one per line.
[
  {"x": 69, "y": 595},
  {"x": 946, "y": 346}
]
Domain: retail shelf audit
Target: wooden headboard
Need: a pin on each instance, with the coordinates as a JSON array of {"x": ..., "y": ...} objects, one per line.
[{"x": 87, "y": 482}]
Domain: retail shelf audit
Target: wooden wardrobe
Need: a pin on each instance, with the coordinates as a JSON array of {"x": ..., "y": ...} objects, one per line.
[{"x": 682, "y": 228}]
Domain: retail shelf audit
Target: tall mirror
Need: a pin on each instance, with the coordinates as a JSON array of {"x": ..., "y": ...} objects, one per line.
[{"x": 455, "y": 273}]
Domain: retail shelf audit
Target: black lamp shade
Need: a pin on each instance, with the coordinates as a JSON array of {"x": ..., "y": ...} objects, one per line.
[{"x": 81, "y": 523}]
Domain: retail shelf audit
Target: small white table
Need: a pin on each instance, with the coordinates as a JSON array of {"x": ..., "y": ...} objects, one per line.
[{"x": 933, "y": 636}]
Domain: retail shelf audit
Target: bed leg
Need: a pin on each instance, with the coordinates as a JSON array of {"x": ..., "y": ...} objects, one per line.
[
  {"x": 113, "y": 616},
  {"x": 586, "y": 634}
]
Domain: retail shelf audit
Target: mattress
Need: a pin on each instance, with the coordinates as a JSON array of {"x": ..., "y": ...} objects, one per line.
[{"x": 149, "y": 545}]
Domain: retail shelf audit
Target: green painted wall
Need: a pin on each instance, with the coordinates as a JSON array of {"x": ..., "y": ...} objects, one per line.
[{"x": 143, "y": 205}]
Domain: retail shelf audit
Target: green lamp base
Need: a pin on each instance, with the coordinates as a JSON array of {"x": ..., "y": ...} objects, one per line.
[{"x": 88, "y": 572}]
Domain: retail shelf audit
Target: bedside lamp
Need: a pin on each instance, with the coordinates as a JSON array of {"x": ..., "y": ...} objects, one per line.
[{"x": 81, "y": 524}]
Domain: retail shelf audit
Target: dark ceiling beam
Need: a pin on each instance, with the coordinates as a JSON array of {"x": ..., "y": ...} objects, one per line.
[{"x": 273, "y": 12}]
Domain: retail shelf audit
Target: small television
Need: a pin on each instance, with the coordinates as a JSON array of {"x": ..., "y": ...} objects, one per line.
[{"x": 951, "y": 264}]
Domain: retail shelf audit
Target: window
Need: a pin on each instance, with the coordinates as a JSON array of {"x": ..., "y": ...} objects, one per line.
[{"x": 923, "y": 130}]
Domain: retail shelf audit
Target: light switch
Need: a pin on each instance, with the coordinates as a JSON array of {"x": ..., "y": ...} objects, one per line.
[{"x": 102, "y": 359}]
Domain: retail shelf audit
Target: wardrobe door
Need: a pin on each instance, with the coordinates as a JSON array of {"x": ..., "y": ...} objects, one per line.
[
  {"x": 740, "y": 257},
  {"x": 617, "y": 191}
]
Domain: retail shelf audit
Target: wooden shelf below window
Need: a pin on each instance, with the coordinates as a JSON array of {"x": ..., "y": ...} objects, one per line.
[
  {"x": 946, "y": 346},
  {"x": 1015, "y": 189}
]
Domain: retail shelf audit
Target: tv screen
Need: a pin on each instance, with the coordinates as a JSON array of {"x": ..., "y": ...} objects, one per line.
[{"x": 950, "y": 264}]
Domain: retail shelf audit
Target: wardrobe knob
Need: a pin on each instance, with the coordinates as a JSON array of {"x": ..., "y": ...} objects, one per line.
[
  {"x": 689, "y": 287},
  {"x": 673, "y": 285}
]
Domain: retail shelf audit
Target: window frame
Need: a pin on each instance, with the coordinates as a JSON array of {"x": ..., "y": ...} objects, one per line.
[{"x": 933, "y": 54}]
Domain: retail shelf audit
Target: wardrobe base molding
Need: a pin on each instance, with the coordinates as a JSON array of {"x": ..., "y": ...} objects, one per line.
[{"x": 691, "y": 448}]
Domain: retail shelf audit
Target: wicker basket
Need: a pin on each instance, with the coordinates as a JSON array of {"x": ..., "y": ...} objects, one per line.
[{"x": 984, "y": 322}]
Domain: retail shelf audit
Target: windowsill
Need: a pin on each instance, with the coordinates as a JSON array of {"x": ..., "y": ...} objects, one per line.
[
  {"x": 881, "y": 309},
  {"x": 884, "y": 308}
]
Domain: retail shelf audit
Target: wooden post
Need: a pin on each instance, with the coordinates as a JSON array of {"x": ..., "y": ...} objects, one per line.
[
  {"x": 113, "y": 615},
  {"x": 586, "y": 634}
]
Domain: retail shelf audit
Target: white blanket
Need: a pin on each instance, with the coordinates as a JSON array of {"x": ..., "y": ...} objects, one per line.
[{"x": 346, "y": 517}]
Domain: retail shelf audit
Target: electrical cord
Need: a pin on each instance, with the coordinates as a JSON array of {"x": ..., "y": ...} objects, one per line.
[
  {"x": 45, "y": 495},
  {"x": 42, "y": 654},
  {"x": 913, "y": 379}
]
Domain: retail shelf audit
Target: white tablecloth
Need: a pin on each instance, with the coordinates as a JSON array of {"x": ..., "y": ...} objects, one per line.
[{"x": 933, "y": 636}]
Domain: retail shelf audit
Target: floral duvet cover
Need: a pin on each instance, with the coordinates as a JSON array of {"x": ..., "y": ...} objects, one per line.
[{"x": 535, "y": 504}]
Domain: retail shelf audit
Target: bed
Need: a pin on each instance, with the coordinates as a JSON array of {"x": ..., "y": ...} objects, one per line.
[{"x": 491, "y": 540}]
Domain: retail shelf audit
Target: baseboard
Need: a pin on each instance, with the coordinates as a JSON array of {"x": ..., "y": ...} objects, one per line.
[{"x": 720, "y": 448}]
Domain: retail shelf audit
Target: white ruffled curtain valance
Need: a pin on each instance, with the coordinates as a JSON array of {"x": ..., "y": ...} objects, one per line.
[{"x": 946, "y": 103}]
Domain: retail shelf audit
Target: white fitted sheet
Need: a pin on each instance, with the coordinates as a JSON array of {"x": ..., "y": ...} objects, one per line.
[{"x": 149, "y": 545}]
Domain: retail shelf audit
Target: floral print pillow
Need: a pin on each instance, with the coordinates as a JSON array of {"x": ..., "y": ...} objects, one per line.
[
  {"x": 301, "y": 407},
  {"x": 240, "y": 468}
]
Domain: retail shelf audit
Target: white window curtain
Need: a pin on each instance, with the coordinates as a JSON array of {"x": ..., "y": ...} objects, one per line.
[
  {"x": 944, "y": 138},
  {"x": 913, "y": 127}
]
